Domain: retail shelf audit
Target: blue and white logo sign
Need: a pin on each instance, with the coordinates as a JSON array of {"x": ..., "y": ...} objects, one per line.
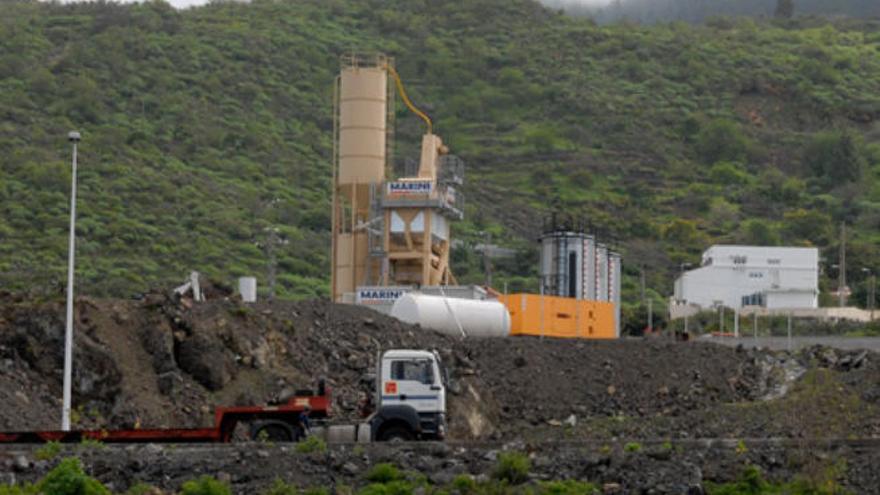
[{"x": 407, "y": 188}]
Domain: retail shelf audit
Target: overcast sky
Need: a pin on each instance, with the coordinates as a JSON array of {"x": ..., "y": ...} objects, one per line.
[{"x": 189, "y": 3}]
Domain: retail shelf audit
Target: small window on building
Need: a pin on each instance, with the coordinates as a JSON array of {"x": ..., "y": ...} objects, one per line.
[
  {"x": 774, "y": 261},
  {"x": 739, "y": 260}
]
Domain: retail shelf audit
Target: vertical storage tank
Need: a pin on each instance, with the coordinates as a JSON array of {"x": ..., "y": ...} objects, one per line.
[
  {"x": 360, "y": 151},
  {"x": 614, "y": 274},
  {"x": 563, "y": 267}
]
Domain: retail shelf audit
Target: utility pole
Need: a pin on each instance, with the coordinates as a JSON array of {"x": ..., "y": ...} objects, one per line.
[
  {"x": 650, "y": 315},
  {"x": 871, "y": 292},
  {"x": 273, "y": 240},
  {"x": 642, "y": 283},
  {"x": 755, "y": 326},
  {"x": 841, "y": 278},
  {"x": 789, "y": 332},
  {"x": 487, "y": 263}
]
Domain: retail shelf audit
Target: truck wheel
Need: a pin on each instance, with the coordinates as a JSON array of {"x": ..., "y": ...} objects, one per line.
[
  {"x": 396, "y": 434},
  {"x": 273, "y": 431}
]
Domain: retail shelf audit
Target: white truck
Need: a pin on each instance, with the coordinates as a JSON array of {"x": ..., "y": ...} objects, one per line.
[{"x": 409, "y": 401}]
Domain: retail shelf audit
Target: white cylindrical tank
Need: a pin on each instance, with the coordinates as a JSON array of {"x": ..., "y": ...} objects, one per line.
[
  {"x": 477, "y": 318},
  {"x": 247, "y": 287}
]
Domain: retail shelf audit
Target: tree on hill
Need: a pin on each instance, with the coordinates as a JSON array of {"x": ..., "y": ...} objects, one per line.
[
  {"x": 835, "y": 157},
  {"x": 784, "y": 9}
]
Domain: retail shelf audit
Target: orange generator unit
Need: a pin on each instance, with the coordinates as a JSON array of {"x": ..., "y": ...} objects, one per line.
[{"x": 562, "y": 317}]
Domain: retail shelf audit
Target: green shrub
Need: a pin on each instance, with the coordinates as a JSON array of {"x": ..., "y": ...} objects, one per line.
[
  {"x": 311, "y": 445},
  {"x": 836, "y": 156},
  {"x": 68, "y": 478},
  {"x": 92, "y": 444},
  {"x": 49, "y": 451},
  {"x": 512, "y": 467},
  {"x": 316, "y": 490},
  {"x": 18, "y": 490},
  {"x": 632, "y": 447},
  {"x": 398, "y": 487},
  {"x": 750, "y": 483},
  {"x": 464, "y": 484},
  {"x": 567, "y": 487},
  {"x": 384, "y": 473},
  {"x": 279, "y": 487},
  {"x": 140, "y": 489},
  {"x": 205, "y": 485},
  {"x": 721, "y": 140}
]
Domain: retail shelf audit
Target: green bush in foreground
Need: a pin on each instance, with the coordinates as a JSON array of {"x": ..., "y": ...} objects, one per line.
[
  {"x": 279, "y": 487},
  {"x": 567, "y": 487},
  {"x": 205, "y": 485},
  {"x": 49, "y": 451},
  {"x": 752, "y": 482},
  {"x": 384, "y": 473},
  {"x": 68, "y": 478},
  {"x": 512, "y": 467},
  {"x": 311, "y": 445},
  {"x": 140, "y": 489}
]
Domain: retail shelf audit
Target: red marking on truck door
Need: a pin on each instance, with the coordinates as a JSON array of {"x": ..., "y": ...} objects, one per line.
[{"x": 390, "y": 388}]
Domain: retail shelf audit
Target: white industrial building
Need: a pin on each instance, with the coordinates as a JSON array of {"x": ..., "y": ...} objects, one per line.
[{"x": 737, "y": 276}]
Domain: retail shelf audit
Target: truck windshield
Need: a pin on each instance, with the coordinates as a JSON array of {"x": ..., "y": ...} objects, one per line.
[{"x": 418, "y": 371}]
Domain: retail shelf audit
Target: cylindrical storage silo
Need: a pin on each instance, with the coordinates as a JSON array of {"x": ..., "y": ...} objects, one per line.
[
  {"x": 614, "y": 273},
  {"x": 562, "y": 264},
  {"x": 247, "y": 287},
  {"x": 445, "y": 314},
  {"x": 363, "y": 110}
]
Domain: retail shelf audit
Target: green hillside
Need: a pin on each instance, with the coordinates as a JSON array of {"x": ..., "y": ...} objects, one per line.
[{"x": 202, "y": 128}]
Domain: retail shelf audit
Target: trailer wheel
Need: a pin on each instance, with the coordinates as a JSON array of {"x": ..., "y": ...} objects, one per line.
[
  {"x": 396, "y": 434},
  {"x": 273, "y": 431}
]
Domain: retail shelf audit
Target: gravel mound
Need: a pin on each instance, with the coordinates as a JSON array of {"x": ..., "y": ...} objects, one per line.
[{"x": 164, "y": 361}]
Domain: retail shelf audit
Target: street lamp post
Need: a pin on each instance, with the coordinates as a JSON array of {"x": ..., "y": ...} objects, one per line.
[
  {"x": 872, "y": 295},
  {"x": 74, "y": 138},
  {"x": 682, "y": 266}
]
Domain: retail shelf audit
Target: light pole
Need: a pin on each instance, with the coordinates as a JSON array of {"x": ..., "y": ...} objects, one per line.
[
  {"x": 682, "y": 266},
  {"x": 74, "y": 138},
  {"x": 872, "y": 291}
]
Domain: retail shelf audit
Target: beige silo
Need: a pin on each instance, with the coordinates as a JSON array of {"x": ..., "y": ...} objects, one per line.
[{"x": 360, "y": 150}]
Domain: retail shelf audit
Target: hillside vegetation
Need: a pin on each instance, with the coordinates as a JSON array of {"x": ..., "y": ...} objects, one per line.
[{"x": 202, "y": 128}]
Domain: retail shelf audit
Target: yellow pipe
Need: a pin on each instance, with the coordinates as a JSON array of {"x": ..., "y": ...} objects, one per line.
[{"x": 406, "y": 100}]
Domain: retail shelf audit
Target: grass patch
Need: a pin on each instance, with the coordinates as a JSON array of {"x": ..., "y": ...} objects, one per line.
[
  {"x": 311, "y": 445},
  {"x": 512, "y": 467}
]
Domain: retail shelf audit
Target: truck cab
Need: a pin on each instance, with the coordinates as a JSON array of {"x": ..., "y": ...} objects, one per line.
[{"x": 410, "y": 396}]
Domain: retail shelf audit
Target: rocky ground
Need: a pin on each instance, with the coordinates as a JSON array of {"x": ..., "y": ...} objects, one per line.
[
  {"x": 651, "y": 467},
  {"x": 163, "y": 361}
]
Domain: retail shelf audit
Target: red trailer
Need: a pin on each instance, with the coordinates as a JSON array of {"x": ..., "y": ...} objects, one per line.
[
  {"x": 409, "y": 403},
  {"x": 274, "y": 422}
]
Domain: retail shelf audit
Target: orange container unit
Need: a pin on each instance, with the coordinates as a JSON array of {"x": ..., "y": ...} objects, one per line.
[{"x": 563, "y": 317}]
